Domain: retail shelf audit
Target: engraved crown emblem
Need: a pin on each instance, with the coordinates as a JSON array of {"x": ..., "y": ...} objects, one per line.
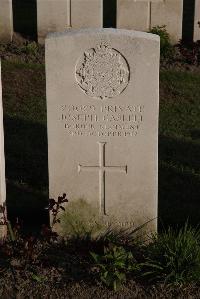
[{"x": 102, "y": 72}]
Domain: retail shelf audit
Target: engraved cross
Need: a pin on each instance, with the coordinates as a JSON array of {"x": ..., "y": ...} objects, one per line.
[
  {"x": 150, "y": 3},
  {"x": 69, "y": 13},
  {"x": 102, "y": 169}
]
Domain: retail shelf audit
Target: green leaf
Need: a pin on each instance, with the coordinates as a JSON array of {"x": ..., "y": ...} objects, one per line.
[
  {"x": 121, "y": 276},
  {"x": 95, "y": 256},
  {"x": 37, "y": 277}
]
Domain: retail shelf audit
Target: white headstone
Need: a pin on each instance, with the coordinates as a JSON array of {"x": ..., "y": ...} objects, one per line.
[
  {"x": 197, "y": 21},
  {"x": 2, "y": 166},
  {"x": 6, "y": 20},
  {"x": 169, "y": 13},
  {"x": 102, "y": 107},
  {"x": 133, "y": 14},
  {"x": 52, "y": 16},
  {"x": 59, "y": 15},
  {"x": 87, "y": 13},
  {"x": 145, "y": 14}
]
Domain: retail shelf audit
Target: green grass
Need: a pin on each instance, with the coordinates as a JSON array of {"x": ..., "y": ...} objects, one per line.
[
  {"x": 26, "y": 142},
  {"x": 180, "y": 105},
  {"x": 179, "y": 148},
  {"x": 25, "y": 98},
  {"x": 24, "y": 104},
  {"x": 174, "y": 256}
]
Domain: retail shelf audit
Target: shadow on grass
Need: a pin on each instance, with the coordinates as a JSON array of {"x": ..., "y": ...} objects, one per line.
[
  {"x": 26, "y": 170},
  {"x": 28, "y": 206},
  {"x": 179, "y": 181}
]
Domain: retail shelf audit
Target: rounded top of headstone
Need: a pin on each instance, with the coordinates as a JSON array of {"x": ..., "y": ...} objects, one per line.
[
  {"x": 102, "y": 72},
  {"x": 103, "y": 31}
]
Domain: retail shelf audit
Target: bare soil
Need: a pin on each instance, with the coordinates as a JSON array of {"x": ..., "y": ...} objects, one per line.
[{"x": 59, "y": 273}]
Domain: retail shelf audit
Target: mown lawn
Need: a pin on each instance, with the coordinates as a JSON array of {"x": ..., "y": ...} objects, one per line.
[
  {"x": 26, "y": 144},
  {"x": 25, "y": 141},
  {"x": 179, "y": 148}
]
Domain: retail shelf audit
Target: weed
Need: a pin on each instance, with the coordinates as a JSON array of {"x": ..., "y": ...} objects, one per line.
[
  {"x": 38, "y": 278},
  {"x": 30, "y": 48},
  {"x": 55, "y": 206},
  {"x": 114, "y": 264},
  {"x": 166, "y": 48},
  {"x": 174, "y": 256}
]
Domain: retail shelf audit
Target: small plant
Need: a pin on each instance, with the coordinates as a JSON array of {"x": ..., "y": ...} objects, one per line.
[
  {"x": 55, "y": 206},
  {"x": 30, "y": 48},
  {"x": 166, "y": 48},
  {"x": 114, "y": 264},
  {"x": 174, "y": 256},
  {"x": 23, "y": 252},
  {"x": 38, "y": 278}
]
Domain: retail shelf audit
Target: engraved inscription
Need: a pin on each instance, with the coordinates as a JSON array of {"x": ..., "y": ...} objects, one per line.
[
  {"x": 102, "y": 121},
  {"x": 102, "y": 169},
  {"x": 102, "y": 72},
  {"x": 106, "y": 223}
]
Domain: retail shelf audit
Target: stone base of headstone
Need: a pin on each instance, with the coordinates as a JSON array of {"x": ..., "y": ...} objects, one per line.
[{"x": 81, "y": 218}]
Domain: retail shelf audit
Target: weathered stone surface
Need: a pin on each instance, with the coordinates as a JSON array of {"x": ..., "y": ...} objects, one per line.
[
  {"x": 197, "y": 21},
  {"x": 133, "y": 15},
  {"x": 59, "y": 15},
  {"x": 169, "y": 13},
  {"x": 87, "y": 13},
  {"x": 102, "y": 107},
  {"x": 52, "y": 16},
  {"x": 6, "y": 20},
  {"x": 145, "y": 14},
  {"x": 2, "y": 165}
]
